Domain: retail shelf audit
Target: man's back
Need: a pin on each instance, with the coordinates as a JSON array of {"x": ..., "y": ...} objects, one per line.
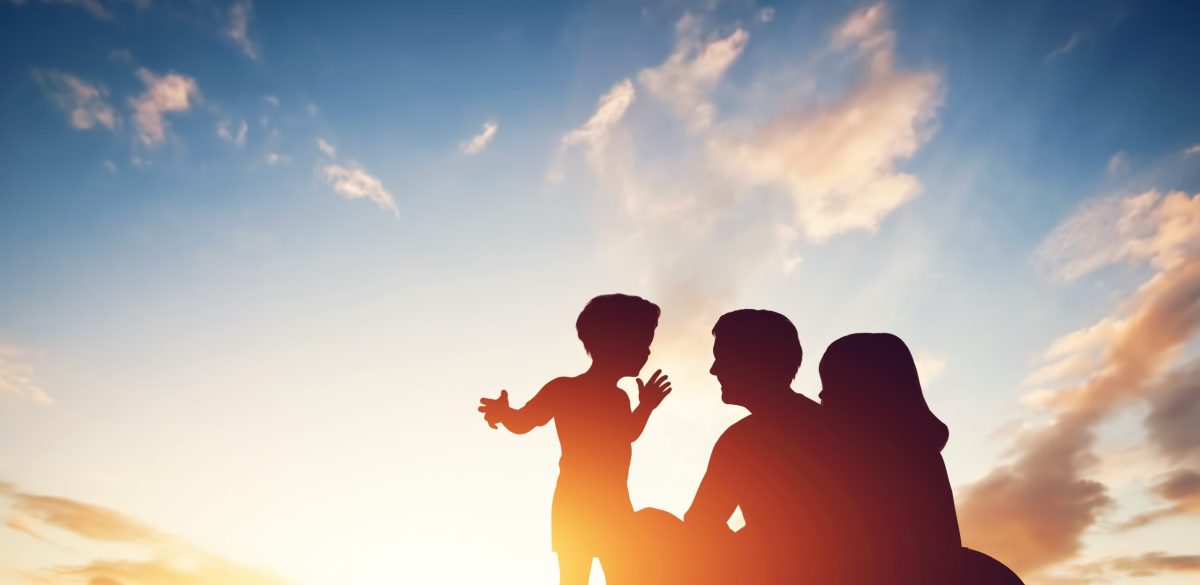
[{"x": 772, "y": 465}]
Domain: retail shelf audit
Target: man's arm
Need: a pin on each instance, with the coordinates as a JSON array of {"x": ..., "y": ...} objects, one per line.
[
  {"x": 650, "y": 395},
  {"x": 537, "y": 412},
  {"x": 716, "y": 498}
]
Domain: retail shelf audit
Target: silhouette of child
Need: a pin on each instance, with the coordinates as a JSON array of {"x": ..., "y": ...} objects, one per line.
[{"x": 591, "y": 508}]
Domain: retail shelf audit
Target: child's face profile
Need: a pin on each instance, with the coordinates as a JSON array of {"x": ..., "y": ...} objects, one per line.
[{"x": 627, "y": 353}]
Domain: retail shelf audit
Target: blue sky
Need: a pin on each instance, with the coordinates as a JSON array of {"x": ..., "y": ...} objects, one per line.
[{"x": 246, "y": 248}]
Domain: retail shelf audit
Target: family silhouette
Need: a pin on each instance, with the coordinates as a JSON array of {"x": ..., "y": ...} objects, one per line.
[{"x": 852, "y": 490}]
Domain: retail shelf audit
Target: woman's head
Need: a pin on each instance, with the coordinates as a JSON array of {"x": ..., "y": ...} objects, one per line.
[{"x": 874, "y": 375}]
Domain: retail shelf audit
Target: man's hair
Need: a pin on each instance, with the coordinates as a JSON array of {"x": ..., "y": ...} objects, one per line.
[
  {"x": 612, "y": 317},
  {"x": 764, "y": 336}
]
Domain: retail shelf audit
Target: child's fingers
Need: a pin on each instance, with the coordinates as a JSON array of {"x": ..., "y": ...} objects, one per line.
[
  {"x": 641, "y": 385},
  {"x": 654, "y": 379},
  {"x": 492, "y": 424},
  {"x": 483, "y": 409}
]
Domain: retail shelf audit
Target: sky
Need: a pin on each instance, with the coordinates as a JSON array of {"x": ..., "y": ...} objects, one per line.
[{"x": 259, "y": 260}]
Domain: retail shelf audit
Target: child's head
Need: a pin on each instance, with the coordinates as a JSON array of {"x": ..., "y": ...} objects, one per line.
[{"x": 616, "y": 330}]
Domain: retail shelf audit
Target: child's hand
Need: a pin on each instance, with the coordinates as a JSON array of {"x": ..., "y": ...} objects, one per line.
[
  {"x": 652, "y": 393},
  {"x": 495, "y": 410}
]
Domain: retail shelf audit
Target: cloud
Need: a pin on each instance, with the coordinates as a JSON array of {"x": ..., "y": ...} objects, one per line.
[
  {"x": 326, "y": 148},
  {"x": 1174, "y": 412},
  {"x": 171, "y": 93},
  {"x": 274, "y": 158},
  {"x": 110, "y": 166},
  {"x": 1195, "y": 149},
  {"x": 227, "y": 134},
  {"x": 238, "y": 29},
  {"x": 86, "y": 104},
  {"x": 1154, "y": 563},
  {"x": 1066, "y": 47},
  {"x": 84, "y": 520},
  {"x": 767, "y": 14},
  {"x": 159, "y": 560},
  {"x": 693, "y": 70},
  {"x": 708, "y": 200},
  {"x": 1032, "y": 511},
  {"x": 273, "y": 100},
  {"x": 353, "y": 182},
  {"x": 837, "y": 161},
  {"x": 610, "y": 108},
  {"x": 17, "y": 376},
  {"x": 1118, "y": 163},
  {"x": 480, "y": 141},
  {"x": 1181, "y": 488}
]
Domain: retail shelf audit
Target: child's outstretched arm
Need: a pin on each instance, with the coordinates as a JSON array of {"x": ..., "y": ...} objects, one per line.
[
  {"x": 537, "y": 412},
  {"x": 650, "y": 395}
]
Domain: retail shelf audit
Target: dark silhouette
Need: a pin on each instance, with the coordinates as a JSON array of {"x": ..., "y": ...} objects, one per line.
[
  {"x": 771, "y": 464},
  {"x": 890, "y": 446},
  {"x": 591, "y": 513}
]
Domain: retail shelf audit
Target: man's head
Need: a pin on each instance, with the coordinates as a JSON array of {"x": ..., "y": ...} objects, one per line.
[
  {"x": 616, "y": 330},
  {"x": 754, "y": 352}
]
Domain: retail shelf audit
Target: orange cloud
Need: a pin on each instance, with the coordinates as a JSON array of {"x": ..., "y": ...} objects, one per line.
[
  {"x": 1033, "y": 511},
  {"x": 163, "y": 560}
]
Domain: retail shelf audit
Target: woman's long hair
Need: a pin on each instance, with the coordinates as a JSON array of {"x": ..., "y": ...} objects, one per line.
[{"x": 871, "y": 378}]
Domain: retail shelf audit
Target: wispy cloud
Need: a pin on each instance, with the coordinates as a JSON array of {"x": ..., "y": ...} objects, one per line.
[
  {"x": 693, "y": 70},
  {"x": 480, "y": 141},
  {"x": 86, "y": 105},
  {"x": 1118, "y": 163},
  {"x": 1032, "y": 511},
  {"x": 17, "y": 379},
  {"x": 1070, "y": 45},
  {"x": 706, "y": 200},
  {"x": 274, "y": 158},
  {"x": 159, "y": 559},
  {"x": 273, "y": 100},
  {"x": 233, "y": 135},
  {"x": 326, "y": 148},
  {"x": 1195, "y": 149},
  {"x": 170, "y": 93},
  {"x": 354, "y": 182},
  {"x": 241, "y": 13},
  {"x": 93, "y": 7}
]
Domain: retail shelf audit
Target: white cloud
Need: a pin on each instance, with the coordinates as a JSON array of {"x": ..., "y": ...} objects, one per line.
[
  {"x": 353, "y": 182},
  {"x": 480, "y": 141},
  {"x": 111, "y": 166},
  {"x": 594, "y": 135},
  {"x": 274, "y": 158},
  {"x": 693, "y": 70},
  {"x": 767, "y": 14},
  {"x": 1161, "y": 229},
  {"x": 1117, "y": 164},
  {"x": 227, "y": 134},
  {"x": 1066, "y": 47},
  {"x": 238, "y": 30},
  {"x": 838, "y": 160},
  {"x": 326, "y": 148},
  {"x": 1192, "y": 150},
  {"x": 170, "y": 93},
  {"x": 706, "y": 201},
  {"x": 86, "y": 104},
  {"x": 17, "y": 376},
  {"x": 270, "y": 99}
]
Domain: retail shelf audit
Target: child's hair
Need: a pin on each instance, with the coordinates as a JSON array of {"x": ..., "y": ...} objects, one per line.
[{"x": 609, "y": 318}]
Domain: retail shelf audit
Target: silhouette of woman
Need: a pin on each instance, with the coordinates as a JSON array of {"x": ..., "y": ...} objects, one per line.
[{"x": 904, "y": 513}]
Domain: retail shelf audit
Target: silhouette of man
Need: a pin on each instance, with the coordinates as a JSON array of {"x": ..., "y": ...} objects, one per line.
[{"x": 769, "y": 464}]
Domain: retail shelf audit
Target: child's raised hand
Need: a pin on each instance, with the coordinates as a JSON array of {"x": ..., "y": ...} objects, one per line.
[
  {"x": 495, "y": 410},
  {"x": 652, "y": 393}
]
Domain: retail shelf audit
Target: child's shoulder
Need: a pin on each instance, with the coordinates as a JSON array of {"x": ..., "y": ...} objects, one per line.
[{"x": 561, "y": 383}]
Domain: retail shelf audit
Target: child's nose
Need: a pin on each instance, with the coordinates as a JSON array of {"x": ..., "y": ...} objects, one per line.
[{"x": 713, "y": 369}]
